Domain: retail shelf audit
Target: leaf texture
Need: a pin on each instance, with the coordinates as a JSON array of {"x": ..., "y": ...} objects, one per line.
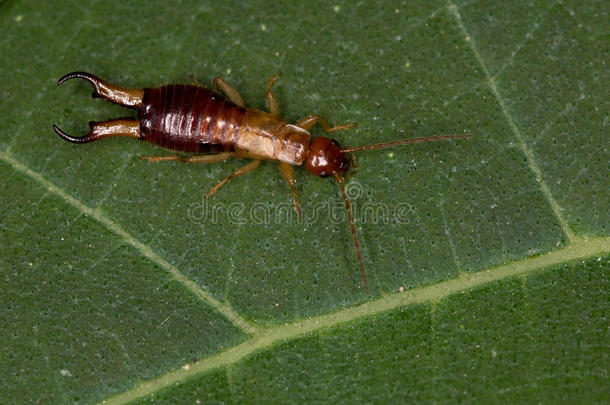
[{"x": 487, "y": 258}]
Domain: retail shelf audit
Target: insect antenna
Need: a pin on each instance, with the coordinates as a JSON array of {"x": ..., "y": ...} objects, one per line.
[
  {"x": 406, "y": 142},
  {"x": 380, "y": 146},
  {"x": 353, "y": 228}
]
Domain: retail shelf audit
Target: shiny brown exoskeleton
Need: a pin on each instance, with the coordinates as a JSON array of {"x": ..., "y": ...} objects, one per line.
[{"x": 191, "y": 118}]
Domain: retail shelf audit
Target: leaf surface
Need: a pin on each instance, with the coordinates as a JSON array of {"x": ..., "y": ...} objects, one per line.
[{"x": 487, "y": 258}]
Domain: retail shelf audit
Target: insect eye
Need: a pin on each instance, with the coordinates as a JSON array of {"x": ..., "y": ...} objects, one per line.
[{"x": 323, "y": 174}]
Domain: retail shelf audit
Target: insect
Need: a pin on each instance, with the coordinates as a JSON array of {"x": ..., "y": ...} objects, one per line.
[{"x": 191, "y": 118}]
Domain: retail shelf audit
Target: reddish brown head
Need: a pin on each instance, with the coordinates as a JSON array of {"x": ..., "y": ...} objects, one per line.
[{"x": 326, "y": 158}]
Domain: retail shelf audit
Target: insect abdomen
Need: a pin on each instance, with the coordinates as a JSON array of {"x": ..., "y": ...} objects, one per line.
[{"x": 189, "y": 119}]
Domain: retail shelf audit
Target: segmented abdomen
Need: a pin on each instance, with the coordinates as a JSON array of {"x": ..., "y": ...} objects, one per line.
[{"x": 189, "y": 119}]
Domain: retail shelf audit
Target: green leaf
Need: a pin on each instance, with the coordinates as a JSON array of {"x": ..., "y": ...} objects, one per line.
[{"x": 487, "y": 258}]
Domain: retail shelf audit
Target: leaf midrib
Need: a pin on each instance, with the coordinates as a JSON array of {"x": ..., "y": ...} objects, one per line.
[
  {"x": 579, "y": 250},
  {"x": 261, "y": 339}
]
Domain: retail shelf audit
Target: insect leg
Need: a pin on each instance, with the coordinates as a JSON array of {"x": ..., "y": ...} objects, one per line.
[
  {"x": 216, "y": 158},
  {"x": 273, "y": 107},
  {"x": 232, "y": 94},
  {"x": 288, "y": 174},
  {"x": 194, "y": 79},
  {"x": 311, "y": 120},
  {"x": 242, "y": 170}
]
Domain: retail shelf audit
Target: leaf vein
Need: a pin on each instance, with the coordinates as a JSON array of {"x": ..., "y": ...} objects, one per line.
[
  {"x": 531, "y": 161},
  {"x": 580, "y": 250},
  {"x": 528, "y": 36},
  {"x": 145, "y": 250}
]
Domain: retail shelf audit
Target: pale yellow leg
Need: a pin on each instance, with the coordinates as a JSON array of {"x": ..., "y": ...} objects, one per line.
[
  {"x": 242, "y": 170},
  {"x": 219, "y": 157},
  {"x": 232, "y": 94},
  {"x": 195, "y": 80},
  {"x": 288, "y": 174},
  {"x": 273, "y": 106},
  {"x": 311, "y": 120}
]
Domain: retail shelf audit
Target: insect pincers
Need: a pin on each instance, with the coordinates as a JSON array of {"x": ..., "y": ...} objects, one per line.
[{"x": 191, "y": 118}]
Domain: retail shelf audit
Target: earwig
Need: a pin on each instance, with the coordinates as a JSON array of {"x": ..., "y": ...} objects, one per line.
[{"x": 191, "y": 118}]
